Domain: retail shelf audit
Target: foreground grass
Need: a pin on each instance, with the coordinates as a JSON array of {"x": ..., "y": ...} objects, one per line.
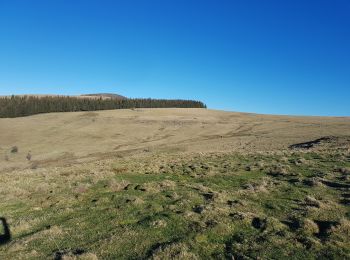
[{"x": 292, "y": 205}]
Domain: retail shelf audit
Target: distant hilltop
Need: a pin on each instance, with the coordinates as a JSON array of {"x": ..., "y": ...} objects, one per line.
[
  {"x": 93, "y": 96},
  {"x": 104, "y": 95}
]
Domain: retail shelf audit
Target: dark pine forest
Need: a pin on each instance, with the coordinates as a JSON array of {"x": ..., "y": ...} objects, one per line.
[{"x": 18, "y": 106}]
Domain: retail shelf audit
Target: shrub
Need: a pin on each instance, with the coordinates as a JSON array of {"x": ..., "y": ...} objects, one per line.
[
  {"x": 29, "y": 156},
  {"x": 14, "y": 149}
]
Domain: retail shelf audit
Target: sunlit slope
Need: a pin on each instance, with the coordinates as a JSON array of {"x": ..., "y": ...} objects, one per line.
[{"x": 67, "y": 137}]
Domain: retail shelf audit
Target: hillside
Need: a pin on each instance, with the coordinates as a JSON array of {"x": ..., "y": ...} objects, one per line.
[
  {"x": 175, "y": 183},
  {"x": 96, "y": 95},
  {"x": 75, "y": 135},
  {"x": 104, "y": 95}
]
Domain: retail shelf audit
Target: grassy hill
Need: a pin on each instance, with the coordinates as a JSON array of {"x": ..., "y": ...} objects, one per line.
[{"x": 175, "y": 183}]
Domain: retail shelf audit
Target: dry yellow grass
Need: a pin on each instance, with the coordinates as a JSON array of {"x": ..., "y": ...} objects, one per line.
[{"x": 62, "y": 138}]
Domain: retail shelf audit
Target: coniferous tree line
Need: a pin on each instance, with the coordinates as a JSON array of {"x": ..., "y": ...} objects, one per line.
[{"x": 17, "y": 106}]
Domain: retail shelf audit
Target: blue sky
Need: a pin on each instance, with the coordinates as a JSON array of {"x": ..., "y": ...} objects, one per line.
[{"x": 278, "y": 57}]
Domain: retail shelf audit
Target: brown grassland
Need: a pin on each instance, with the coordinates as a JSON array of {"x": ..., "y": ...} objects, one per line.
[{"x": 175, "y": 184}]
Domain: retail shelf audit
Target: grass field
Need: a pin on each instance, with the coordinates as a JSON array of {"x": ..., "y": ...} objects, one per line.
[{"x": 174, "y": 184}]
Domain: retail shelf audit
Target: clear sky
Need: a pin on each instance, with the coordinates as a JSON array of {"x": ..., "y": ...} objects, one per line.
[{"x": 279, "y": 57}]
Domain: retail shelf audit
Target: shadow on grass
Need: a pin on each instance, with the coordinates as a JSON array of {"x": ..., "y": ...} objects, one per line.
[{"x": 6, "y": 236}]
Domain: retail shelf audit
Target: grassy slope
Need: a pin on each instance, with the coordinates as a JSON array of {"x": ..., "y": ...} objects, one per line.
[
  {"x": 60, "y": 138},
  {"x": 209, "y": 196}
]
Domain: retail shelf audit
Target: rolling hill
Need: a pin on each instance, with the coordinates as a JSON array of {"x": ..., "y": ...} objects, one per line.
[{"x": 174, "y": 183}]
